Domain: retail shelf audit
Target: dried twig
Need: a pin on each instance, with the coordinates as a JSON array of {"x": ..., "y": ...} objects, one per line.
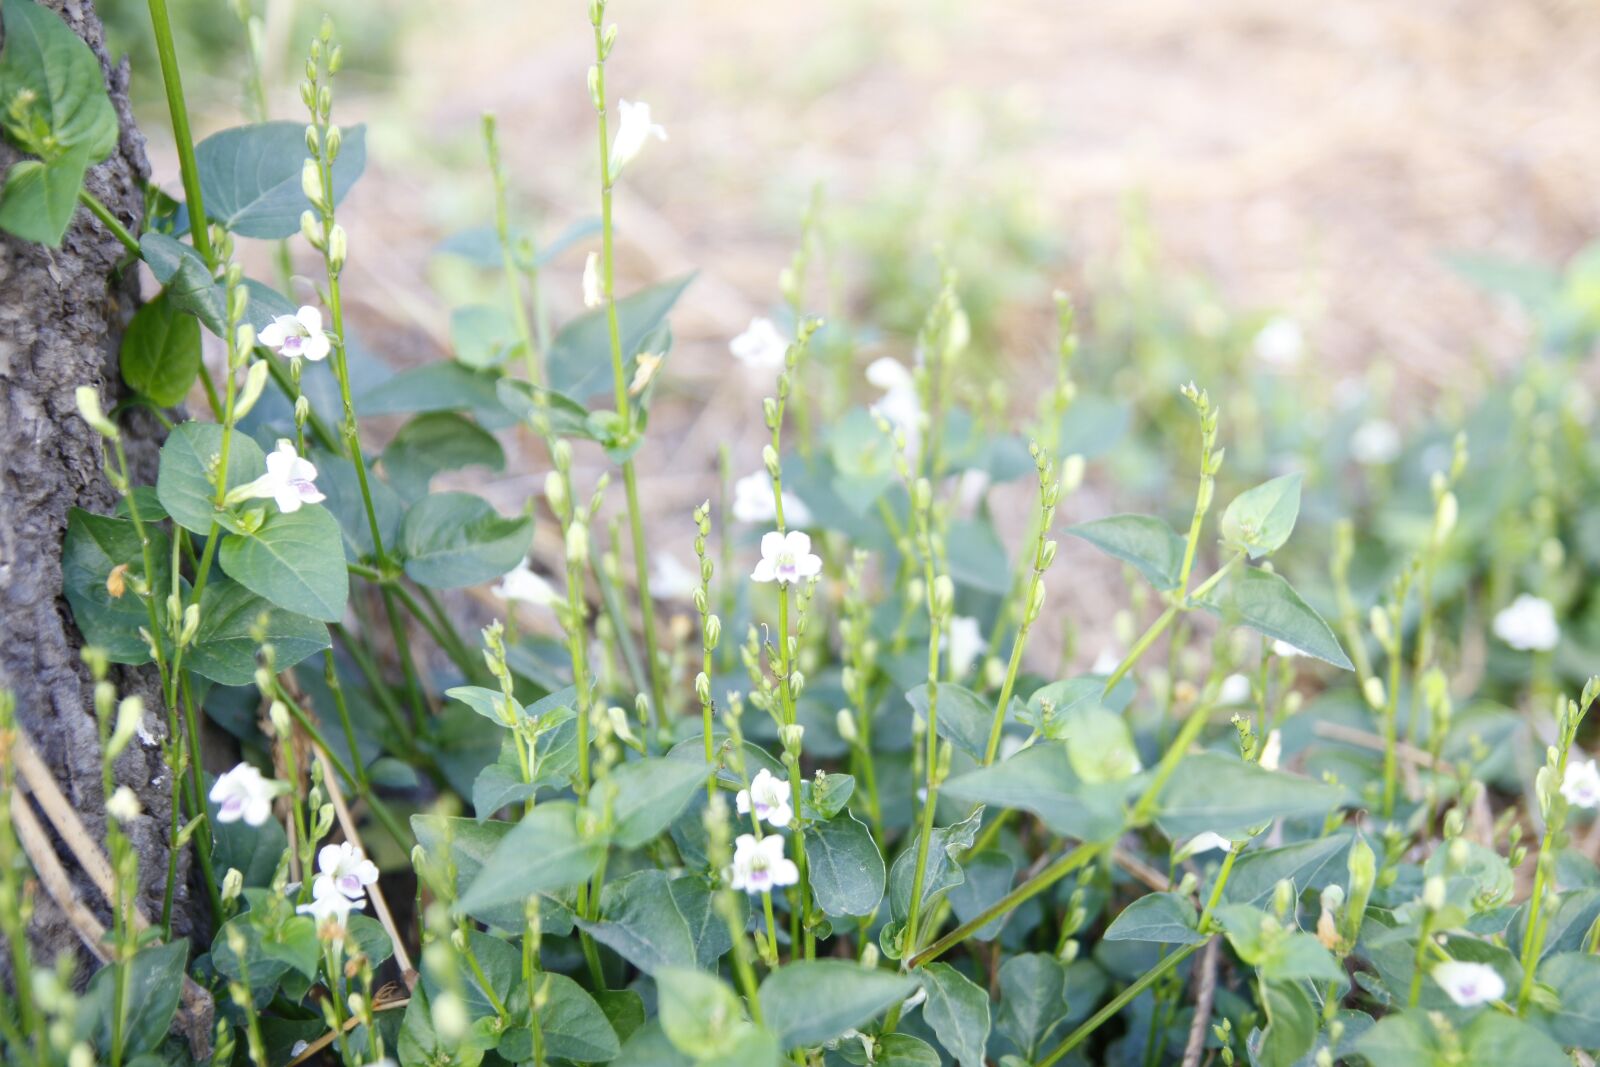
[
  {"x": 1206, "y": 995},
  {"x": 310, "y": 1051},
  {"x": 1334, "y": 731}
]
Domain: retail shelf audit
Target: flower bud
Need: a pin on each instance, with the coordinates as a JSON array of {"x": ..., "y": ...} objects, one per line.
[
  {"x": 450, "y": 1018},
  {"x": 1433, "y": 893},
  {"x": 769, "y": 459},
  {"x": 311, "y": 229},
  {"x": 1373, "y": 690},
  {"x": 1283, "y": 897},
  {"x": 1363, "y": 869},
  {"x": 1072, "y": 469},
  {"x": 555, "y": 491},
  {"x": 944, "y": 595},
  {"x": 335, "y": 139},
  {"x": 1378, "y": 619},
  {"x": 713, "y": 632},
  {"x": 130, "y": 714},
  {"x": 191, "y": 625},
  {"x": 232, "y": 884},
  {"x": 791, "y": 734},
  {"x": 88, "y": 398},
  {"x": 124, "y": 805},
  {"x": 618, "y": 720},
  {"x": 578, "y": 543},
  {"x": 255, "y": 379},
  {"x": 1444, "y": 519},
  {"x": 279, "y": 713},
  {"x": 302, "y": 410},
  {"x": 1047, "y": 555},
  {"x": 845, "y": 723},
  {"x": 311, "y": 182},
  {"x": 1459, "y": 854},
  {"x": 338, "y": 248},
  {"x": 702, "y": 688},
  {"x": 1333, "y": 897},
  {"x": 797, "y": 683}
]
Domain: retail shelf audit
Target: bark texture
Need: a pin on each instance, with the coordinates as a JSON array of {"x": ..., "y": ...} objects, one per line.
[{"x": 62, "y": 313}]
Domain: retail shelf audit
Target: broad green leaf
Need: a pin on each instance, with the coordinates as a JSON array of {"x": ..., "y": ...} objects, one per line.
[
  {"x": 1051, "y": 707},
  {"x": 444, "y": 386},
  {"x": 624, "y": 1010},
  {"x": 564, "y": 416},
  {"x": 270, "y": 951},
  {"x": 700, "y": 1015},
  {"x": 1099, "y": 745},
  {"x": 1040, "y": 779},
  {"x": 1308, "y": 864},
  {"x": 187, "y": 281},
  {"x": 154, "y": 984},
  {"x": 471, "y": 843},
  {"x": 456, "y": 539},
  {"x": 1147, "y": 543},
  {"x": 39, "y": 198},
  {"x": 579, "y": 361},
  {"x": 1210, "y": 791},
  {"x": 1281, "y": 955},
  {"x": 250, "y": 176},
  {"x": 1033, "y": 989},
  {"x": 1291, "y": 1026},
  {"x": 420, "y": 1043},
  {"x": 977, "y": 557},
  {"x": 550, "y": 831},
  {"x": 295, "y": 560},
  {"x": 336, "y": 477},
  {"x": 44, "y": 56},
  {"x": 1565, "y": 926},
  {"x": 1574, "y": 978},
  {"x": 903, "y": 1050},
  {"x": 696, "y": 902},
  {"x": 185, "y": 483},
  {"x": 1260, "y": 520},
  {"x": 964, "y": 718},
  {"x": 94, "y": 546},
  {"x": 1489, "y": 1040},
  {"x": 812, "y": 1001},
  {"x": 224, "y": 648},
  {"x": 161, "y": 352},
  {"x": 1166, "y": 918},
  {"x": 846, "y": 869},
  {"x": 825, "y": 795},
  {"x": 501, "y": 964},
  {"x": 1267, "y": 604},
  {"x": 490, "y": 703},
  {"x": 434, "y": 442},
  {"x": 482, "y": 335},
  {"x": 640, "y": 921},
  {"x": 958, "y": 1011},
  {"x": 645, "y": 795},
  {"x": 988, "y": 878},
  {"x": 571, "y": 1023},
  {"x": 945, "y": 846}
]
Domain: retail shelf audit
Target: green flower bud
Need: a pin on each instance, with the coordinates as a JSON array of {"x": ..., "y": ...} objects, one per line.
[
  {"x": 944, "y": 596},
  {"x": 338, "y": 248},
  {"x": 578, "y": 543},
  {"x": 845, "y": 723},
  {"x": 89, "y": 408},
  {"x": 311, "y": 182},
  {"x": 255, "y": 379}
]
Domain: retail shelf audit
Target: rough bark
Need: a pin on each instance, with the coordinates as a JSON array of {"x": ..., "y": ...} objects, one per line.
[{"x": 62, "y": 313}]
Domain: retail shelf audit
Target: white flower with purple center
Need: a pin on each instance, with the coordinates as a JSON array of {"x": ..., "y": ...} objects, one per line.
[
  {"x": 346, "y": 868},
  {"x": 1581, "y": 784},
  {"x": 634, "y": 128},
  {"x": 753, "y": 502},
  {"x": 328, "y": 903},
  {"x": 760, "y": 866},
  {"x": 1469, "y": 984},
  {"x": 289, "y": 482},
  {"x": 243, "y": 793},
  {"x": 1528, "y": 624},
  {"x": 786, "y": 558},
  {"x": 297, "y": 336},
  {"x": 769, "y": 796},
  {"x": 761, "y": 346}
]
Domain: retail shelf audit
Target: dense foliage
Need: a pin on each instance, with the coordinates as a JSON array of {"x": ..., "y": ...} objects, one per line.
[{"x": 1320, "y": 800}]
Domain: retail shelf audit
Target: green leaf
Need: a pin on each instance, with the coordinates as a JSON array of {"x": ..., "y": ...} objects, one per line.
[
  {"x": 444, "y": 386},
  {"x": 573, "y": 1025},
  {"x": 646, "y": 795},
  {"x": 825, "y": 795},
  {"x": 482, "y": 335},
  {"x": 435, "y": 442},
  {"x": 903, "y": 1050},
  {"x": 43, "y": 55},
  {"x": 977, "y": 557},
  {"x": 254, "y": 851},
  {"x": 1166, "y": 918},
  {"x": 812, "y": 1001},
  {"x": 295, "y": 560},
  {"x": 1149, "y": 544},
  {"x": 579, "y": 361},
  {"x": 186, "y": 279},
  {"x": 501, "y": 964},
  {"x": 1291, "y": 1026},
  {"x": 1032, "y": 999},
  {"x": 456, "y": 539},
  {"x": 250, "y": 176},
  {"x": 945, "y": 845},
  {"x": 1210, "y": 791},
  {"x": 1256, "y": 874},
  {"x": 1574, "y": 978},
  {"x": 964, "y": 718},
  {"x": 94, "y": 546},
  {"x": 1490, "y": 1040},
  {"x": 847, "y": 873},
  {"x": 697, "y": 904},
  {"x": 640, "y": 921},
  {"x": 421, "y": 1044},
  {"x": 988, "y": 878},
  {"x": 550, "y": 832},
  {"x": 700, "y": 1015},
  {"x": 1267, "y": 604},
  {"x": 185, "y": 483},
  {"x": 39, "y": 198},
  {"x": 1040, "y": 779},
  {"x": 1260, "y": 520},
  {"x": 224, "y": 648},
  {"x": 161, "y": 352},
  {"x": 154, "y": 983},
  {"x": 958, "y": 1011}
]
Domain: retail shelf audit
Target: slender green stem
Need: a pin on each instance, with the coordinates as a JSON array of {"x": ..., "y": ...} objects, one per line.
[
  {"x": 109, "y": 221},
  {"x": 183, "y": 139},
  {"x": 1117, "y": 1003}
]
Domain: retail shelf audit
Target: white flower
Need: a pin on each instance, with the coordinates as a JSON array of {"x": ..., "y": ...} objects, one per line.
[
  {"x": 761, "y": 346},
  {"x": 752, "y": 502},
  {"x": 760, "y": 866},
  {"x": 900, "y": 404},
  {"x": 327, "y": 902},
  {"x": 1235, "y": 689},
  {"x": 243, "y": 793},
  {"x": 290, "y": 481},
  {"x": 1581, "y": 785},
  {"x": 1528, "y": 624},
  {"x": 770, "y": 795},
  {"x": 1280, "y": 343},
  {"x": 1204, "y": 841},
  {"x": 1285, "y": 649},
  {"x": 1272, "y": 750},
  {"x": 347, "y": 868},
  {"x": 786, "y": 558},
  {"x": 124, "y": 806},
  {"x": 521, "y": 583},
  {"x": 1375, "y": 443},
  {"x": 1469, "y": 984},
  {"x": 1107, "y": 661},
  {"x": 965, "y": 642},
  {"x": 633, "y": 129},
  {"x": 297, "y": 336},
  {"x": 591, "y": 281}
]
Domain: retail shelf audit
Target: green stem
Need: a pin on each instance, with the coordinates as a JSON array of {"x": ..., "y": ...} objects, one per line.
[
  {"x": 1117, "y": 1003},
  {"x": 183, "y": 139},
  {"x": 109, "y": 221}
]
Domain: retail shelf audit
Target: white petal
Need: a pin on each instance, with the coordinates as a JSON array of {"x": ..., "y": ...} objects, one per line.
[
  {"x": 274, "y": 333},
  {"x": 766, "y": 571},
  {"x": 771, "y": 544},
  {"x": 316, "y": 347},
  {"x": 798, "y": 542},
  {"x": 310, "y": 318}
]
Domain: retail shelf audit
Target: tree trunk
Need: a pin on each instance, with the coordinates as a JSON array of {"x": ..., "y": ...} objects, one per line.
[{"x": 62, "y": 314}]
